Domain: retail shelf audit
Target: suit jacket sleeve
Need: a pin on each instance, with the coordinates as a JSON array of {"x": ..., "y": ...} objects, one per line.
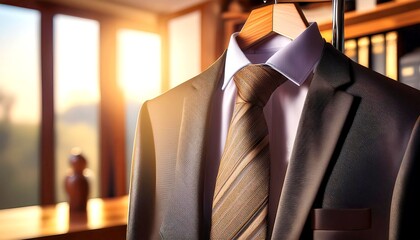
[
  {"x": 143, "y": 177},
  {"x": 405, "y": 207}
]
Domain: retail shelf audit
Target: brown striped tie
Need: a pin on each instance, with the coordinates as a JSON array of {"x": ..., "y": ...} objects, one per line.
[{"x": 240, "y": 201}]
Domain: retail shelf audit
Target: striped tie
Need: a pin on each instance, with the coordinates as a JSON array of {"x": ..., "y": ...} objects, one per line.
[{"x": 240, "y": 201}]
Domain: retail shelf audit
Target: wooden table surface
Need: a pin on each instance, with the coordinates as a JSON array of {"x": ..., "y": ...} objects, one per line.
[{"x": 104, "y": 219}]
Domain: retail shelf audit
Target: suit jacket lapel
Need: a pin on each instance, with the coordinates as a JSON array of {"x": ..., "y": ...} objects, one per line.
[
  {"x": 183, "y": 219},
  {"x": 324, "y": 115}
]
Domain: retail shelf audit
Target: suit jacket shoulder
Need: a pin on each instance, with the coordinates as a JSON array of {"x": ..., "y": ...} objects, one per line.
[{"x": 161, "y": 143}]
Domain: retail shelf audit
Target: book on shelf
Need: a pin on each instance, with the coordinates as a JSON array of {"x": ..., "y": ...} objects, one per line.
[
  {"x": 378, "y": 58},
  {"x": 391, "y": 55},
  {"x": 350, "y": 49},
  {"x": 364, "y": 5},
  {"x": 410, "y": 69},
  {"x": 363, "y": 51}
]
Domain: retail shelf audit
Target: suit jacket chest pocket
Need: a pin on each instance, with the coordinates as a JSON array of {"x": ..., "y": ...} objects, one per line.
[{"x": 341, "y": 224}]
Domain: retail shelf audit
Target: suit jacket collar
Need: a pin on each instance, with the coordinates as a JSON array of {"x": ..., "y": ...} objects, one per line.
[
  {"x": 323, "y": 118},
  {"x": 184, "y": 214}
]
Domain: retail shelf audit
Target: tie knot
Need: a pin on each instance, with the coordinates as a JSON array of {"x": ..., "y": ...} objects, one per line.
[{"x": 256, "y": 83}]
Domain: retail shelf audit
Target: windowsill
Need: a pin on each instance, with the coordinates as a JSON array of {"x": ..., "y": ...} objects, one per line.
[{"x": 104, "y": 219}]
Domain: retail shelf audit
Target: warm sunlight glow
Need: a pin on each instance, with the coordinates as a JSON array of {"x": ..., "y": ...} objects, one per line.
[
  {"x": 139, "y": 71},
  {"x": 76, "y": 62},
  {"x": 185, "y": 47},
  {"x": 62, "y": 217},
  {"x": 95, "y": 217}
]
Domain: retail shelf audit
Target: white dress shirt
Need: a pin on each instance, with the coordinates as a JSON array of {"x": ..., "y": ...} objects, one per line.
[{"x": 296, "y": 60}]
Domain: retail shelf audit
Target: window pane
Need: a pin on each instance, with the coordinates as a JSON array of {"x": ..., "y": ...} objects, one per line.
[
  {"x": 185, "y": 48},
  {"x": 76, "y": 95},
  {"x": 19, "y": 106},
  {"x": 138, "y": 76}
]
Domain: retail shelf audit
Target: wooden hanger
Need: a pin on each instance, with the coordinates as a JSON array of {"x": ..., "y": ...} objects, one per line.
[{"x": 286, "y": 19}]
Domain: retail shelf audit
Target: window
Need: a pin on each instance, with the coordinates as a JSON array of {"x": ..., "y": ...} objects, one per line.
[
  {"x": 20, "y": 106},
  {"x": 76, "y": 96},
  {"x": 185, "y": 48}
]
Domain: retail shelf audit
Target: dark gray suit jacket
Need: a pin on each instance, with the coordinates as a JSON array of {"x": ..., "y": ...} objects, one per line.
[{"x": 354, "y": 171}]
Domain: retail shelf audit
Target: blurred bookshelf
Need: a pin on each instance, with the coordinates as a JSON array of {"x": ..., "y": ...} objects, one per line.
[{"x": 379, "y": 37}]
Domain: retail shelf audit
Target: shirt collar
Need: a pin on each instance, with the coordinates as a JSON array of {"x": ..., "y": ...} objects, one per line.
[{"x": 296, "y": 60}]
